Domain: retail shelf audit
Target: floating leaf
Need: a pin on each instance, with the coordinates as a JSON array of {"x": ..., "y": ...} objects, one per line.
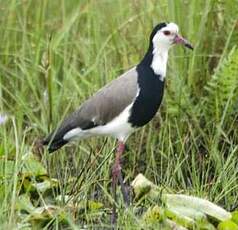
[
  {"x": 188, "y": 211},
  {"x": 183, "y": 202},
  {"x": 180, "y": 218}
]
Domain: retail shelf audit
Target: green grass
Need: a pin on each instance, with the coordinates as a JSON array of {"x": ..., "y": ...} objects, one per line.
[{"x": 55, "y": 54}]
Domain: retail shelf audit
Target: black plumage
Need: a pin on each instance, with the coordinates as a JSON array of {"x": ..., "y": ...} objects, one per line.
[{"x": 149, "y": 99}]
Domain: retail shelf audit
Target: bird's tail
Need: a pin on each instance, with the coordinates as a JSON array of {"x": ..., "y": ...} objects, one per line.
[{"x": 56, "y": 139}]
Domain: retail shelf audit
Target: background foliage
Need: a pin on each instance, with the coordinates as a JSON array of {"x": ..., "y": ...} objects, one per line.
[{"x": 55, "y": 54}]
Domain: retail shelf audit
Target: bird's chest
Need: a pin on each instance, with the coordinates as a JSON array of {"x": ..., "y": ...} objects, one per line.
[{"x": 148, "y": 99}]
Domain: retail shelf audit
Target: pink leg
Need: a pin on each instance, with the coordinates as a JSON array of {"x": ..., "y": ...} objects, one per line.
[{"x": 116, "y": 175}]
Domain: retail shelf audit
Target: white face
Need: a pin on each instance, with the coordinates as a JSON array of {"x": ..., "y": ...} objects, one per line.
[{"x": 164, "y": 38}]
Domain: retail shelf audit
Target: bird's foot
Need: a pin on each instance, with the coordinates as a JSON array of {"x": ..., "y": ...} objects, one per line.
[
  {"x": 116, "y": 169},
  {"x": 114, "y": 218},
  {"x": 117, "y": 175},
  {"x": 125, "y": 191}
]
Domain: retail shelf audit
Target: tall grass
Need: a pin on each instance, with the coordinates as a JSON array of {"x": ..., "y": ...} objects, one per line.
[{"x": 55, "y": 54}]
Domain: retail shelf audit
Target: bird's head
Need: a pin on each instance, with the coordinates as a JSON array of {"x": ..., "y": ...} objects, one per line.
[{"x": 164, "y": 35}]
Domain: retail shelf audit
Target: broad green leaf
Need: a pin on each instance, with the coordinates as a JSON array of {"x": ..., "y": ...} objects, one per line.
[
  {"x": 234, "y": 217},
  {"x": 32, "y": 167},
  {"x": 24, "y": 203},
  {"x": 183, "y": 202},
  {"x": 6, "y": 168},
  {"x": 227, "y": 225}
]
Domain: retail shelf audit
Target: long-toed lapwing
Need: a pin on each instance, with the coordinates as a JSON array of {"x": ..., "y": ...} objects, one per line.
[{"x": 125, "y": 104}]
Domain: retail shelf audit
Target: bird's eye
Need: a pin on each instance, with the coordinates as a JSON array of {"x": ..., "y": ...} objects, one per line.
[{"x": 166, "y": 32}]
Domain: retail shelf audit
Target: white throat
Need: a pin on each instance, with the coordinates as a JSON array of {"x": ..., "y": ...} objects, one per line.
[{"x": 159, "y": 61}]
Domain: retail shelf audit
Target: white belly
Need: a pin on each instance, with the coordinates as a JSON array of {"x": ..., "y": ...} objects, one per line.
[{"x": 119, "y": 128}]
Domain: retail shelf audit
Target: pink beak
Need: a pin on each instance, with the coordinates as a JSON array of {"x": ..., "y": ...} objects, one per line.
[{"x": 180, "y": 40}]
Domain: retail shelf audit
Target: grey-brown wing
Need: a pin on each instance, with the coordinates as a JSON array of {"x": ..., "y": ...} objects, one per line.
[
  {"x": 103, "y": 106},
  {"x": 111, "y": 100}
]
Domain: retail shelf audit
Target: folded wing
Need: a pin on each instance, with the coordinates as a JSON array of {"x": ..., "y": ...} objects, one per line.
[{"x": 98, "y": 110}]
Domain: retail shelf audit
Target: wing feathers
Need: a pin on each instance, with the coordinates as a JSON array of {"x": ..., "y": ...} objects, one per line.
[{"x": 100, "y": 109}]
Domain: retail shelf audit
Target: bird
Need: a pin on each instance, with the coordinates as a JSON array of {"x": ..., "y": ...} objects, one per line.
[{"x": 123, "y": 105}]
